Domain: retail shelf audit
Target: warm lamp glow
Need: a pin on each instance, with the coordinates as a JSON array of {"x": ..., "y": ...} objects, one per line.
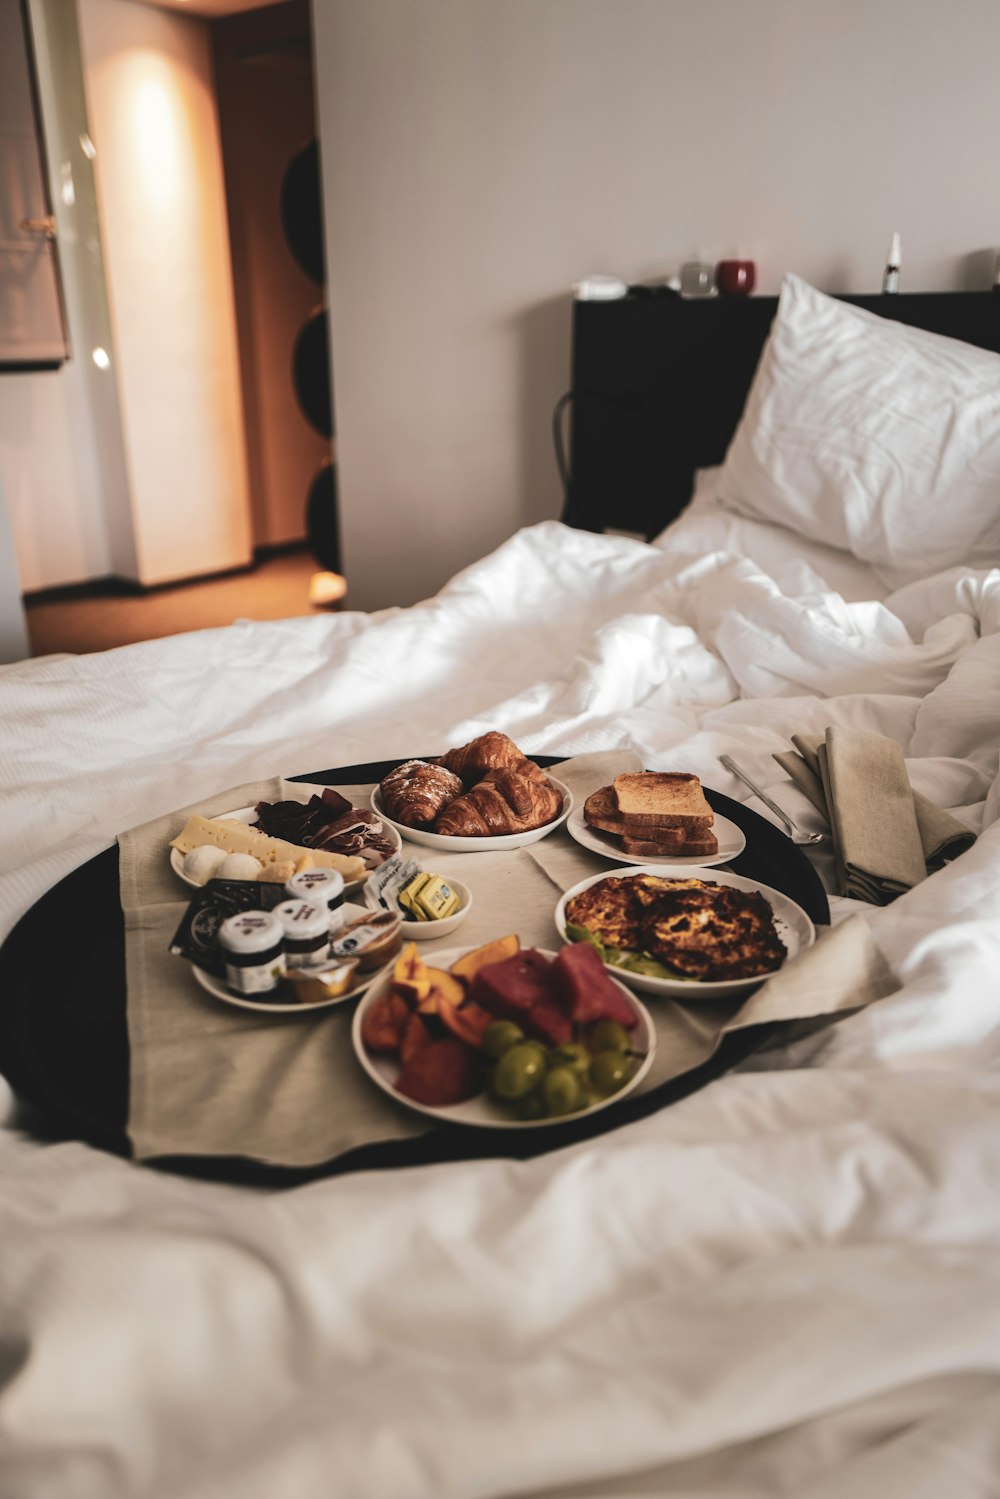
[
  {"x": 326, "y": 589},
  {"x": 160, "y": 130}
]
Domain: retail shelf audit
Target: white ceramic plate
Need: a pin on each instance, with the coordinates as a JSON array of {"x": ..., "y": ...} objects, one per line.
[
  {"x": 448, "y": 845},
  {"x": 731, "y": 843},
  {"x": 791, "y": 922},
  {"x": 249, "y": 816},
  {"x": 481, "y": 1112},
  {"x": 272, "y": 1006}
]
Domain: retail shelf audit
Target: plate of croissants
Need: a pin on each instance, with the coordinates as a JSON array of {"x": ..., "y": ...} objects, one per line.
[{"x": 483, "y": 796}]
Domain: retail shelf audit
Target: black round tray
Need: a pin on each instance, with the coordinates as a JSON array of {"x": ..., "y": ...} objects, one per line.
[{"x": 64, "y": 1035}]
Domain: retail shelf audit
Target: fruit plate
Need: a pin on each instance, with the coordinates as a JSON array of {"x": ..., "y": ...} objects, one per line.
[
  {"x": 482, "y": 1112},
  {"x": 446, "y": 844},
  {"x": 248, "y": 815},
  {"x": 792, "y": 924},
  {"x": 731, "y": 839},
  {"x": 219, "y": 989}
]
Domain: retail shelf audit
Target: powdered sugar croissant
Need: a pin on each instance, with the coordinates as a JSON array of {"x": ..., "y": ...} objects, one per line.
[
  {"x": 415, "y": 792},
  {"x": 504, "y": 801}
]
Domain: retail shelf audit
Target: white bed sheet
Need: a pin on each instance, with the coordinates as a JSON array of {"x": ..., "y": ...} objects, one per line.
[{"x": 788, "y": 1284}]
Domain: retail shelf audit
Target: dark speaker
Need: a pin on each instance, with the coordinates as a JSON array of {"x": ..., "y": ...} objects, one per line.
[
  {"x": 311, "y": 372},
  {"x": 301, "y": 211},
  {"x": 321, "y": 517}
]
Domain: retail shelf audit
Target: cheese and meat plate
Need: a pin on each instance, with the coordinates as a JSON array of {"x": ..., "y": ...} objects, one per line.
[{"x": 274, "y": 840}]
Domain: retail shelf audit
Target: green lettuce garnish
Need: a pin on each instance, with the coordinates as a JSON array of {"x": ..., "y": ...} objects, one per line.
[{"x": 623, "y": 957}]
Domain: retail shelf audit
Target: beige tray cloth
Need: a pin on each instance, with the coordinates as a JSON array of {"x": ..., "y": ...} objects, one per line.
[
  {"x": 867, "y": 759},
  {"x": 210, "y": 1079}
]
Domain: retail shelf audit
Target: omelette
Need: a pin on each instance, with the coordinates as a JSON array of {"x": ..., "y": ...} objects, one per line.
[{"x": 699, "y": 929}]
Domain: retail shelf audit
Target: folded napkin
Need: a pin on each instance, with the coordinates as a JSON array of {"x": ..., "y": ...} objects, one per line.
[{"x": 886, "y": 836}]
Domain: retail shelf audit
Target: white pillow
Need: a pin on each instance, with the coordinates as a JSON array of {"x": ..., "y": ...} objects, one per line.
[{"x": 876, "y": 438}]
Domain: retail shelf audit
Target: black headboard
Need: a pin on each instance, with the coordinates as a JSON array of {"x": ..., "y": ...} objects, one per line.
[{"x": 659, "y": 383}]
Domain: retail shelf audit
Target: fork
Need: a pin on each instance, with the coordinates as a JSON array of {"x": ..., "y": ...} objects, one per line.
[{"x": 795, "y": 833}]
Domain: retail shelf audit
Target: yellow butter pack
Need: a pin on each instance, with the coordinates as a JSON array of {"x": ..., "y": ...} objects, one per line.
[
  {"x": 407, "y": 897},
  {"x": 436, "y": 899}
]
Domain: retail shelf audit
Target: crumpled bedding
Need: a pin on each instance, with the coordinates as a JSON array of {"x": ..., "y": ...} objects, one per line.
[{"x": 786, "y": 1284}]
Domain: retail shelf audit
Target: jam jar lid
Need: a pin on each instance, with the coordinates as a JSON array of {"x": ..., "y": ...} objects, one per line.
[
  {"x": 315, "y": 885},
  {"x": 250, "y": 932},
  {"x": 303, "y": 920}
]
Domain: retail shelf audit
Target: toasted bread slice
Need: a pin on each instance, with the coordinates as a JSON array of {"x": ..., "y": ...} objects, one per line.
[
  {"x": 661, "y": 799},
  {"x": 657, "y": 840},
  {"x": 600, "y": 810},
  {"x": 702, "y": 845},
  {"x": 670, "y": 843}
]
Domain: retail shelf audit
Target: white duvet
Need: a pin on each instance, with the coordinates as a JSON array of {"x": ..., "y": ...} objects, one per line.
[{"x": 788, "y": 1284}]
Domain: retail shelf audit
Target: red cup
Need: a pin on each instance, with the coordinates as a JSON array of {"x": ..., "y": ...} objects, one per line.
[{"x": 735, "y": 278}]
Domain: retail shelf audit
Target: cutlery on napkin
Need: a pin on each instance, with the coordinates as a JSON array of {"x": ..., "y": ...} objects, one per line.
[{"x": 886, "y": 836}]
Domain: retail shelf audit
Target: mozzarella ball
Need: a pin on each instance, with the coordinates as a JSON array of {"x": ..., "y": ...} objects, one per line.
[
  {"x": 201, "y": 864},
  {"x": 239, "y": 867}
]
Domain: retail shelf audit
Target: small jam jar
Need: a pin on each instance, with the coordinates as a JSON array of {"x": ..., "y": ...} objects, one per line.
[
  {"x": 252, "y": 944},
  {"x": 321, "y": 887},
  {"x": 306, "y": 929}
]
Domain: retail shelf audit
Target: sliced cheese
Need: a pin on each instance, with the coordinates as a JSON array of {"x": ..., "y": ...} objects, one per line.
[{"x": 236, "y": 838}]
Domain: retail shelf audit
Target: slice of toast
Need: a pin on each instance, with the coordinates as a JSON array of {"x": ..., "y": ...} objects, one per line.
[
  {"x": 657, "y": 799},
  {"x": 702, "y": 844},
  {"x": 658, "y": 840},
  {"x": 600, "y": 811}
]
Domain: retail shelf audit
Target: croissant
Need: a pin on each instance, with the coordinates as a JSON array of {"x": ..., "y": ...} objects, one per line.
[
  {"x": 504, "y": 801},
  {"x": 415, "y": 792},
  {"x": 492, "y": 751}
]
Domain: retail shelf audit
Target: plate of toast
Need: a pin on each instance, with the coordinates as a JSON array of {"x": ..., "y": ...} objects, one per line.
[{"x": 650, "y": 816}]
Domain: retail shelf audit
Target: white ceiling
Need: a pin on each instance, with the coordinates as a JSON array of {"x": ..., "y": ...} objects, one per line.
[{"x": 207, "y": 7}]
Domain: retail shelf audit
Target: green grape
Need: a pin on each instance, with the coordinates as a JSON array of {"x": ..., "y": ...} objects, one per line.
[
  {"x": 562, "y": 1091},
  {"x": 501, "y": 1036},
  {"x": 518, "y": 1071},
  {"x": 572, "y": 1055},
  {"x": 609, "y": 1071},
  {"x": 608, "y": 1035}
]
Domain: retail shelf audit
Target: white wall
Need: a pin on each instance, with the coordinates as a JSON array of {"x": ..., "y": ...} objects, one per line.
[
  {"x": 153, "y": 118},
  {"x": 479, "y": 158}
]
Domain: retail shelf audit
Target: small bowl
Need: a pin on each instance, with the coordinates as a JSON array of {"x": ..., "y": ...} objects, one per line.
[{"x": 426, "y": 931}]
